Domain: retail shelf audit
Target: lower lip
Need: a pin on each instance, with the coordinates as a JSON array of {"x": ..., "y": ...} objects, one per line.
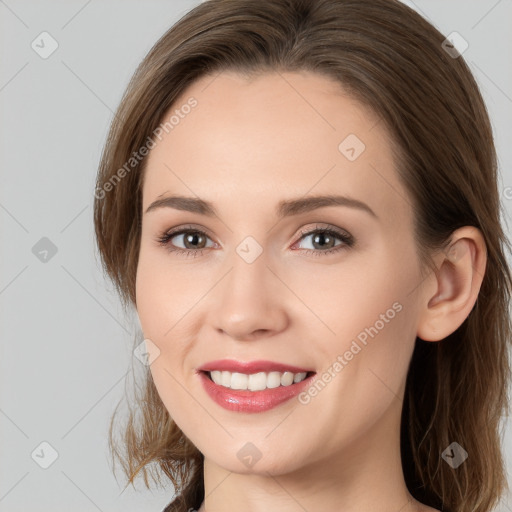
[{"x": 251, "y": 401}]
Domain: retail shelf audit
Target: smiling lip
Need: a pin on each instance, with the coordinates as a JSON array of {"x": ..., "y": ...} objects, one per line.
[{"x": 239, "y": 400}]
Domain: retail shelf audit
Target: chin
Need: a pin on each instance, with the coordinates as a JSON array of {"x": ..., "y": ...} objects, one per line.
[{"x": 248, "y": 460}]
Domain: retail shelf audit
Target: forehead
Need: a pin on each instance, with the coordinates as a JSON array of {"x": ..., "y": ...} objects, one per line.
[{"x": 275, "y": 136}]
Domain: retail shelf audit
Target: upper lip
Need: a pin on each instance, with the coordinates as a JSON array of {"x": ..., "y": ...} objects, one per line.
[{"x": 248, "y": 367}]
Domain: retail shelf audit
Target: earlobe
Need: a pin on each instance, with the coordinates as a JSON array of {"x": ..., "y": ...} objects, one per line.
[{"x": 452, "y": 290}]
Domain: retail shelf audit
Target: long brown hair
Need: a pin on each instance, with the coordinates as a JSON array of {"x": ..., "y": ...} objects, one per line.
[{"x": 392, "y": 60}]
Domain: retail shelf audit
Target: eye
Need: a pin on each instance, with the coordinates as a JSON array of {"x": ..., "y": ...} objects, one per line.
[
  {"x": 323, "y": 240},
  {"x": 194, "y": 241}
]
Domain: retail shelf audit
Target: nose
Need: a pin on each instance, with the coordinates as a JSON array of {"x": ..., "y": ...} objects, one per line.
[{"x": 250, "y": 301}]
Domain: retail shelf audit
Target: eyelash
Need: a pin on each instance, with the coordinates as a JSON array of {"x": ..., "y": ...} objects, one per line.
[{"x": 347, "y": 240}]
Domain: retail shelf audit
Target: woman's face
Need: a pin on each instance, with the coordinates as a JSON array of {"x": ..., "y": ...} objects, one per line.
[{"x": 262, "y": 282}]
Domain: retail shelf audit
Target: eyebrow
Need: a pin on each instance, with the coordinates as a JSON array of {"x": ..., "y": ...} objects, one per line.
[{"x": 285, "y": 208}]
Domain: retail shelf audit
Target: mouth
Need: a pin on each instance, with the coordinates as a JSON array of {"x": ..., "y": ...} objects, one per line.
[{"x": 253, "y": 392}]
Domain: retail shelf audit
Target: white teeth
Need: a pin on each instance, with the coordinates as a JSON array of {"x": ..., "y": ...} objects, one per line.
[
  {"x": 256, "y": 381},
  {"x": 287, "y": 379},
  {"x": 239, "y": 381},
  {"x": 225, "y": 379},
  {"x": 273, "y": 380},
  {"x": 299, "y": 376}
]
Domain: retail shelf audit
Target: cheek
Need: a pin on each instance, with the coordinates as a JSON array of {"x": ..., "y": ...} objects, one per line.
[
  {"x": 371, "y": 314},
  {"x": 165, "y": 299},
  {"x": 163, "y": 294},
  {"x": 351, "y": 296},
  {"x": 162, "y": 307},
  {"x": 173, "y": 388}
]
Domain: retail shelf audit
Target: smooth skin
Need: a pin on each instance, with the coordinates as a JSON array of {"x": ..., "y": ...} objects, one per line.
[{"x": 247, "y": 146}]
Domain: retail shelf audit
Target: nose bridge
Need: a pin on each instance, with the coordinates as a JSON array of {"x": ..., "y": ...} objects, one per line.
[
  {"x": 249, "y": 298},
  {"x": 248, "y": 275}
]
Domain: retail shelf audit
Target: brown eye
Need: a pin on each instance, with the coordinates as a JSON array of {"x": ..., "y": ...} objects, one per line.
[
  {"x": 190, "y": 242},
  {"x": 323, "y": 241},
  {"x": 194, "y": 240}
]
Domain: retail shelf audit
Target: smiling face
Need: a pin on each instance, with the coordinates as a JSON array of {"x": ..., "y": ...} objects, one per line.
[{"x": 255, "y": 276}]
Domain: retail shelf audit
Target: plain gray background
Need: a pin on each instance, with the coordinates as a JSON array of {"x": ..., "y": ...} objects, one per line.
[{"x": 66, "y": 345}]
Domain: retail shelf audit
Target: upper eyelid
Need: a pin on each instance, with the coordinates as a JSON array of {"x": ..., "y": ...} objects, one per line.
[
  {"x": 303, "y": 232},
  {"x": 326, "y": 227},
  {"x": 183, "y": 229}
]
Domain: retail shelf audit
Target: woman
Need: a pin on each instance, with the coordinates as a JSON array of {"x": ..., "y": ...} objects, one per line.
[{"x": 299, "y": 197}]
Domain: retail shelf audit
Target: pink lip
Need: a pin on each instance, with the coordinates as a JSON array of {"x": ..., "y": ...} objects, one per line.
[
  {"x": 230, "y": 365},
  {"x": 251, "y": 401}
]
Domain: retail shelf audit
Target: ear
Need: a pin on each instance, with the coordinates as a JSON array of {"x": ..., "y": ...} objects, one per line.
[{"x": 449, "y": 293}]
